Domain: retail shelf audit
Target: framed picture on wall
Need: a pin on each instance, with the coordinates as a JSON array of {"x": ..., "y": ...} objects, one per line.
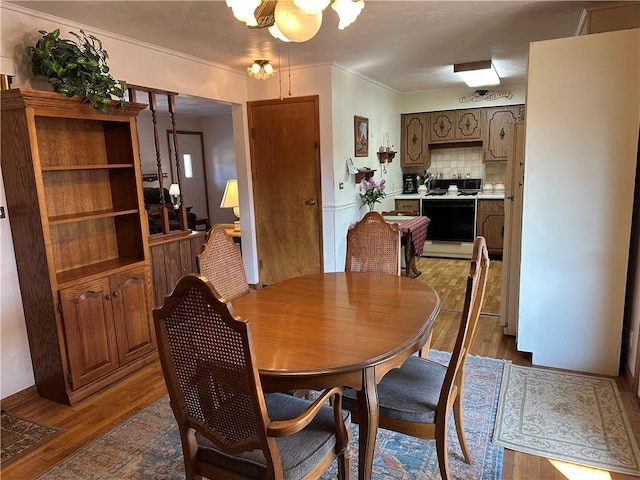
[{"x": 361, "y": 136}]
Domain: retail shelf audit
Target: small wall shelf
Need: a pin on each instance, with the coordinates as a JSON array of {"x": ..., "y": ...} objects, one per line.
[
  {"x": 364, "y": 173},
  {"x": 386, "y": 156}
]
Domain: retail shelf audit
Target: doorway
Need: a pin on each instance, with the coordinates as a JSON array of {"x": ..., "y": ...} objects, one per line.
[
  {"x": 285, "y": 167},
  {"x": 193, "y": 178}
]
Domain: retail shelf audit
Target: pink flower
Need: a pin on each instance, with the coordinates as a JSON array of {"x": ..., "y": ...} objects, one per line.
[{"x": 372, "y": 192}]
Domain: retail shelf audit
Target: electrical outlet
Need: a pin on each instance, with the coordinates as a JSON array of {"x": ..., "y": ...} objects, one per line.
[
  {"x": 341, "y": 186},
  {"x": 2, "y": 214}
]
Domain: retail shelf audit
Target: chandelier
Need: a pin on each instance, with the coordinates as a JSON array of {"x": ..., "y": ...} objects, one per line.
[
  {"x": 293, "y": 20},
  {"x": 261, "y": 69}
]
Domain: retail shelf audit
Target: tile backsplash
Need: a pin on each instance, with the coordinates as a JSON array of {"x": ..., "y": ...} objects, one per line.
[{"x": 463, "y": 160}]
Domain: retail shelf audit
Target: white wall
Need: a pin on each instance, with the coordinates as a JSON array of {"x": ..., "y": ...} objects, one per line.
[
  {"x": 15, "y": 360},
  {"x": 449, "y": 98},
  {"x": 583, "y": 118},
  {"x": 356, "y": 95},
  {"x": 220, "y": 158}
]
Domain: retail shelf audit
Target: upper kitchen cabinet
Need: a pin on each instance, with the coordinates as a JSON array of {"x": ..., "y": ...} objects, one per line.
[
  {"x": 456, "y": 126},
  {"x": 442, "y": 126},
  {"x": 415, "y": 140},
  {"x": 469, "y": 124},
  {"x": 499, "y": 124}
]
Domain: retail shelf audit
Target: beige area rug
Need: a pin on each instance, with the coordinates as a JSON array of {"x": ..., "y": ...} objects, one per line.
[
  {"x": 448, "y": 277},
  {"x": 19, "y": 436},
  {"x": 568, "y": 417}
]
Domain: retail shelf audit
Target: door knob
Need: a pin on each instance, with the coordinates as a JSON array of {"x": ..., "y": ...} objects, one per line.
[{"x": 311, "y": 201}]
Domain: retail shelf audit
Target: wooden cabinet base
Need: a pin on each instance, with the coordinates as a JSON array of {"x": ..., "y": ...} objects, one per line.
[
  {"x": 490, "y": 224},
  {"x": 75, "y": 396}
]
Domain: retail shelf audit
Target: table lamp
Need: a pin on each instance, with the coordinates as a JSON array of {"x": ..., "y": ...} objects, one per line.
[
  {"x": 174, "y": 192},
  {"x": 230, "y": 200}
]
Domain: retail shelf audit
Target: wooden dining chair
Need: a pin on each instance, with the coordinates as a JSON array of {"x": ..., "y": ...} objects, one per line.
[
  {"x": 228, "y": 427},
  {"x": 416, "y": 399},
  {"x": 373, "y": 245},
  {"x": 221, "y": 262}
]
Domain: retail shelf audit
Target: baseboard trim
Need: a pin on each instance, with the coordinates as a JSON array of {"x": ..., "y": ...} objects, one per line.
[{"x": 19, "y": 398}]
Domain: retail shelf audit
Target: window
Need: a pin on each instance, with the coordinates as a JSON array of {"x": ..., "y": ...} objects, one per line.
[{"x": 188, "y": 167}]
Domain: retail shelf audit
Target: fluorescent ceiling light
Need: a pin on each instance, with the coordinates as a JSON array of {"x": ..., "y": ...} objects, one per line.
[{"x": 477, "y": 74}]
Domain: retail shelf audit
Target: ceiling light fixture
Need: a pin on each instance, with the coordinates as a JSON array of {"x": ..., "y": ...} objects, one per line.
[
  {"x": 293, "y": 20},
  {"x": 477, "y": 74},
  {"x": 261, "y": 69}
]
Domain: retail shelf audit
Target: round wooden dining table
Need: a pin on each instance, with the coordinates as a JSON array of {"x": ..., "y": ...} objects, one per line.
[{"x": 338, "y": 329}]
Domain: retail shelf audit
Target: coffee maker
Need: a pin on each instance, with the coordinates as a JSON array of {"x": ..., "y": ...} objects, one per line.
[{"x": 410, "y": 183}]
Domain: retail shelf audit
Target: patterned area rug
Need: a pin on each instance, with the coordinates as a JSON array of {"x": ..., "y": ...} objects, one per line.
[
  {"x": 568, "y": 417},
  {"x": 18, "y": 436},
  {"x": 147, "y": 446}
]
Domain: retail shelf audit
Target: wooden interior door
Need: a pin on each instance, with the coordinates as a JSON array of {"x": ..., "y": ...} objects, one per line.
[
  {"x": 193, "y": 175},
  {"x": 285, "y": 164}
]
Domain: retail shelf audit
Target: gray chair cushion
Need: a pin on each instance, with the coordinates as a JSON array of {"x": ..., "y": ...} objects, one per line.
[
  {"x": 300, "y": 452},
  {"x": 409, "y": 393}
]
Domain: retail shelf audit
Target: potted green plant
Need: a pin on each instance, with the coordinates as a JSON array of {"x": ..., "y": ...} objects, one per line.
[{"x": 76, "y": 68}]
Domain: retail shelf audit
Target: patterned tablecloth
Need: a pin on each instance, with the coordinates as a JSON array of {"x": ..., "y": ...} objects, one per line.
[{"x": 416, "y": 225}]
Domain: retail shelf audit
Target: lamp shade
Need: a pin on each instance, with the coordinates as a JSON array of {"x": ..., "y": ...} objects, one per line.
[
  {"x": 230, "y": 196},
  {"x": 174, "y": 189}
]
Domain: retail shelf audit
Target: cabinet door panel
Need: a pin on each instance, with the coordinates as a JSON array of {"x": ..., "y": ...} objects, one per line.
[
  {"x": 469, "y": 124},
  {"x": 88, "y": 326},
  {"x": 415, "y": 143},
  {"x": 500, "y": 122},
  {"x": 442, "y": 126},
  {"x": 491, "y": 224},
  {"x": 407, "y": 205},
  {"x": 132, "y": 314}
]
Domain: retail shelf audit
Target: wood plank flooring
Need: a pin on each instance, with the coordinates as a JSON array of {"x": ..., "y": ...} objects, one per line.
[{"x": 93, "y": 417}]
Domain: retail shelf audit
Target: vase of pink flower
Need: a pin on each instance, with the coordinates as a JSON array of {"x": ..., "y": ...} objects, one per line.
[{"x": 372, "y": 192}]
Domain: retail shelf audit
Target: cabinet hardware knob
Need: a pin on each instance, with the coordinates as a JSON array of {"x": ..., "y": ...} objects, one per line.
[
  {"x": 116, "y": 294},
  {"x": 107, "y": 296},
  {"x": 311, "y": 201}
]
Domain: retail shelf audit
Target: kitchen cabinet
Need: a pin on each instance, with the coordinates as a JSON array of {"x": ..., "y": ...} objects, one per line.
[
  {"x": 490, "y": 224},
  {"x": 469, "y": 124},
  {"x": 171, "y": 259},
  {"x": 73, "y": 186},
  {"x": 456, "y": 126},
  {"x": 441, "y": 128},
  {"x": 499, "y": 125},
  {"x": 403, "y": 205},
  {"x": 415, "y": 141}
]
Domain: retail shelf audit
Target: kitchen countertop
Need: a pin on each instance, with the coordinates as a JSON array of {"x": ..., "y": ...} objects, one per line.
[{"x": 480, "y": 196}]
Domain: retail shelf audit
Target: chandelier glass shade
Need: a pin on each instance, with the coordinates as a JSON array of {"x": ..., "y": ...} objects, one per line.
[
  {"x": 261, "y": 69},
  {"x": 293, "y": 20},
  {"x": 294, "y": 24}
]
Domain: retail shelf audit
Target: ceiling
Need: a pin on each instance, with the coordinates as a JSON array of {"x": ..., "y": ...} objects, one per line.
[{"x": 407, "y": 46}]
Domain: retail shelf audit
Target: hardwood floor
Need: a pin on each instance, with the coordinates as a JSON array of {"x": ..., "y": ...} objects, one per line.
[{"x": 96, "y": 415}]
